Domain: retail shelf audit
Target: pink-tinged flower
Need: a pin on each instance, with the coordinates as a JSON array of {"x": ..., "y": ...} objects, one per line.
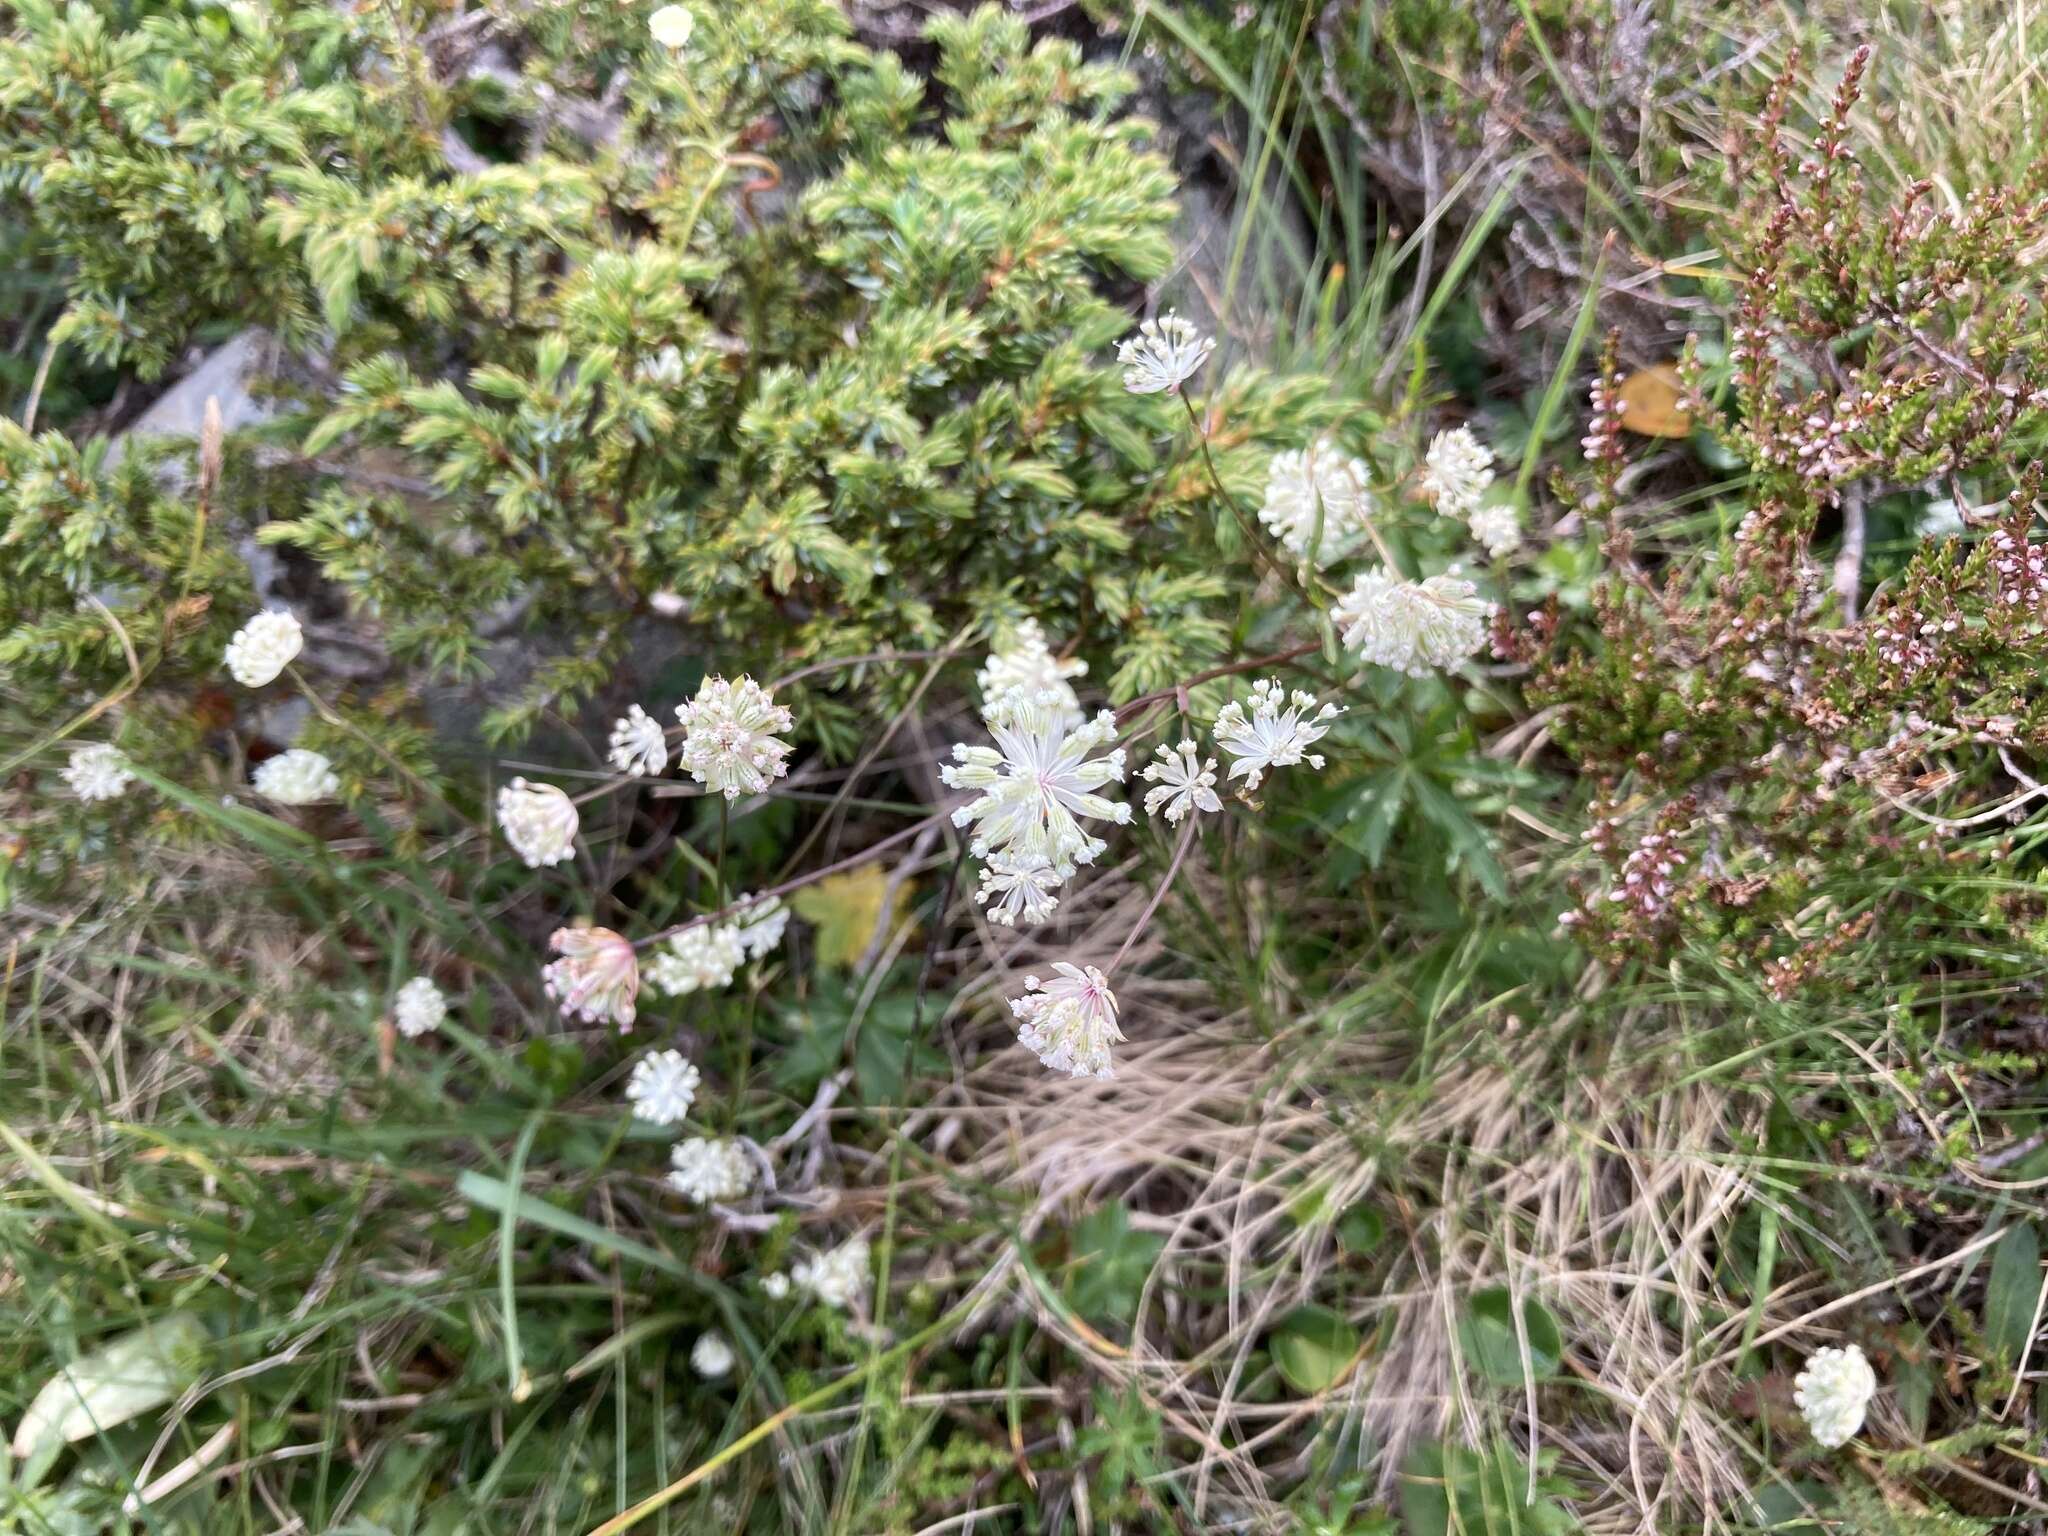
[
  {"x": 729, "y": 740},
  {"x": 597, "y": 977},
  {"x": 1070, "y": 1021}
]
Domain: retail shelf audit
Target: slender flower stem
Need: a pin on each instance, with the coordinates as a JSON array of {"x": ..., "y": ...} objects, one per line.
[
  {"x": 1244, "y": 523},
  {"x": 1180, "y": 852}
]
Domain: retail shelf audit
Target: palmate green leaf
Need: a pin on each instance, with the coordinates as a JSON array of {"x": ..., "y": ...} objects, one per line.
[{"x": 1110, "y": 1263}]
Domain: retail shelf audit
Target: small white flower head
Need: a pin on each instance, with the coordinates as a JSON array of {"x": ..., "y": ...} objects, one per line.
[
  {"x": 540, "y": 822},
  {"x": 1834, "y": 1393},
  {"x": 1026, "y": 885},
  {"x": 1412, "y": 626},
  {"x": 1070, "y": 1021},
  {"x": 700, "y": 959},
  {"x": 776, "y": 1286},
  {"x": 638, "y": 745},
  {"x": 297, "y": 777},
  {"x": 711, "y": 1357},
  {"x": 837, "y": 1277},
  {"x": 1027, "y": 665},
  {"x": 1163, "y": 355},
  {"x": 1456, "y": 471},
  {"x": 671, "y": 26},
  {"x": 706, "y": 1170},
  {"x": 98, "y": 772},
  {"x": 597, "y": 978},
  {"x": 1186, "y": 783},
  {"x": 419, "y": 1008},
  {"x": 1037, "y": 782},
  {"x": 1317, "y": 494},
  {"x": 263, "y": 647},
  {"x": 663, "y": 1087},
  {"x": 1496, "y": 526},
  {"x": 759, "y": 923},
  {"x": 729, "y": 740},
  {"x": 1277, "y": 734}
]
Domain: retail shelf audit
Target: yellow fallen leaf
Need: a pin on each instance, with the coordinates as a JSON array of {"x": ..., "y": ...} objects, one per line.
[
  {"x": 1652, "y": 403},
  {"x": 845, "y": 908}
]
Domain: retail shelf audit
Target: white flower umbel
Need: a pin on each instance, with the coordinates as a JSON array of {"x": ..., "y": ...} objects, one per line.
[
  {"x": 98, "y": 772},
  {"x": 1025, "y": 884},
  {"x": 663, "y": 1087},
  {"x": 711, "y": 1357},
  {"x": 1317, "y": 496},
  {"x": 263, "y": 647},
  {"x": 297, "y": 777},
  {"x": 1276, "y": 734},
  {"x": 1186, "y": 783},
  {"x": 671, "y": 26},
  {"x": 1037, "y": 782},
  {"x": 706, "y": 1170},
  {"x": 1456, "y": 471},
  {"x": 1496, "y": 526},
  {"x": 540, "y": 822},
  {"x": 776, "y": 1286},
  {"x": 700, "y": 959},
  {"x": 597, "y": 978},
  {"x": 1412, "y": 626},
  {"x": 1164, "y": 355},
  {"x": 638, "y": 745},
  {"x": 419, "y": 1008},
  {"x": 1027, "y": 665},
  {"x": 729, "y": 740},
  {"x": 1070, "y": 1021},
  {"x": 837, "y": 1277},
  {"x": 759, "y": 923},
  {"x": 1834, "y": 1393}
]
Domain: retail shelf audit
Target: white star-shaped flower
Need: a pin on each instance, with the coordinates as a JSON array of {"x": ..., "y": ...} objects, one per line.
[
  {"x": 1186, "y": 783},
  {"x": 263, "y": 647},
  {"x": 1834, "y": 1393},
  {"x": 663, "y": 1087},
  {"x": 1276, "y": 734},
  {"x": 1070, "y": 1021},
  {"x": 638, "y": 745},
  {"x": 1037, "y": 782},
  {"x": 98, "y": 772},
  {"x": 1164, "y": 355}
]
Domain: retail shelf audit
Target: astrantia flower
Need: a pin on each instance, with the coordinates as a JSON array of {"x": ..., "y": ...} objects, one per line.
[
  {"x": 540, "y": 822},
  {"x": 1277, "y": 734},
  {"x": 711, "y": 1357},
  {"x": 759, "y": 923},
  {"x": 1025, "y": 882},
  {"x": 1496, "y": 526},
  {"x": 297, "y": 777},
  {"x": 672, "y": 25},
  {"x": 418, "y": 1008},
  {"x": 1070, "y": 1021},
  {"x": 776, "y": 1286},
  {"x": 1037, "y": 782},
  {"x": 698, "y": 959},
  {"x": 707, "y": 1170},
  {"x": 1456, "y": 471},
  {"x": 1163, "y": 355},
  {"x": 638, "y": 746},
  {"x": 663, "y": 1087},
  {"x": 262, "y": 647},
  {"x": 1412, "y": 626},
  {"x": 597, "y": 979},
  {"x": 838, "y": 1277},
  {"x": 729, "y": 740},
  {"x": 1027, "y": 665},
  {"x": 1834, "y": 1393},
  {"x": 1186, "y": 783},
  {"x": 1312, "y": 489},
  {"x": 98, "y": 772}
]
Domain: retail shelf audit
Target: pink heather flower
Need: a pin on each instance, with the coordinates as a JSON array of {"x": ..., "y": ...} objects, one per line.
[{"x": 597, "y": 977}]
